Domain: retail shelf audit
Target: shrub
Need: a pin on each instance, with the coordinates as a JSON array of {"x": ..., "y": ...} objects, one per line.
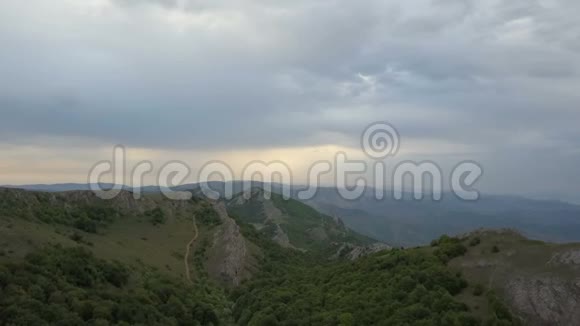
[
  {"x": 474, "y": 241},
  {"x": 86, "y": 224},
  {"x": 76, "y": 237},
  {"x": 478, "y": 290},
  {"x": 156, "y": 216},
  {"x": 500, "y": 312},
  {"x": 449, "y": 248}
]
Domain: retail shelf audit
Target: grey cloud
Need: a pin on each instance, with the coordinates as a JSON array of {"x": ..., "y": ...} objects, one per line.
[
  {"x": 163, "y": 3},
  {"x": 256, "y": 74}
]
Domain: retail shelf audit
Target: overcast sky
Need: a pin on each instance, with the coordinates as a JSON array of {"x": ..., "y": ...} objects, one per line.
[{"x": 493, "y": 81}]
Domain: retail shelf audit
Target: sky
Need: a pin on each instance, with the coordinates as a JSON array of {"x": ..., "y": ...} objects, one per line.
[{"x": 496, "y": 82}]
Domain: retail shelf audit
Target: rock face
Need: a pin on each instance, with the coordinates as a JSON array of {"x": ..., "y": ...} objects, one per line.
[
  {"x": 367, "y": 250},
  {"x": 570, "y": 257},
  {"x": 229, "y": 248},
  {"x": 281, "y": 237},
  {"x": 273, "y": 214},
  {"x": 546, "y": 300},
  {"x": 352, "y": 252},
  {"x": 549, "y": 300}
]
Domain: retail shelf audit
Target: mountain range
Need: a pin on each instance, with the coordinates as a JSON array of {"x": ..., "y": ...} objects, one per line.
[
  {"x": 410, "y": 222},
  {"x": 71, "y": 258}
]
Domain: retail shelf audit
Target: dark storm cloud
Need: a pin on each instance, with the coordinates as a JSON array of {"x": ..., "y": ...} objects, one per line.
[{"x": 496, "y": 76}]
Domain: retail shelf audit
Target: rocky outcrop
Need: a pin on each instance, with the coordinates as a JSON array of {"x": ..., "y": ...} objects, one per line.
[
  {"x": 353, "y": 252},
  {"x": 545, "y": 300},
  {"x": 229, "y": 251},
  {"x": 361, "y": 251},
  {"x": 272, "y": 212},
  {"x": 569, "y": 257},
  {"x": 549, "y": 299},
  {"x": 538, "y": 281},
  {"x": 281, "y": 238}
]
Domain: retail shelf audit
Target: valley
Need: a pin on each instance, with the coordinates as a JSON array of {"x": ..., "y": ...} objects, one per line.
[{"x": 257, "y": 261}]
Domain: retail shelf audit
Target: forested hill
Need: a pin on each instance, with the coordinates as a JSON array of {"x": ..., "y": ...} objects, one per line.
[
  {"x": 73, "y": 259},
  {"x": 293, "y": 224}
]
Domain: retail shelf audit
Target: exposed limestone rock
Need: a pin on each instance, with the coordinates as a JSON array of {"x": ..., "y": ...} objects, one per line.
[
  {"x": 545, "y": 301},
  {"x": 571, "y": 257},
  {"x": 352, "y": 252},
  {"x": 240, "y": 200},
  {"x": 367, "y": 250},
  {"x": 229, "y": 248},
  {"x": 273, "y": 216},
  {"x": 281, "y": 238},
  {"x": 272, "y": 212}
]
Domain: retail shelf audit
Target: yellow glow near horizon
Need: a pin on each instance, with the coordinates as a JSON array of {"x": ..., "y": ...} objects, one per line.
[{"x": 37, "y": 164}]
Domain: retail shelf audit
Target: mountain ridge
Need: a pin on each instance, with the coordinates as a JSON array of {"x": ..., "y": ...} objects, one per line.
[
  {"x": 484, "y": 274},
  {"x": 412, "y": 223}
]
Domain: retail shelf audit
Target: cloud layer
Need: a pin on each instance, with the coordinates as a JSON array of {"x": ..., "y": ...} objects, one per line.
[{"x": 498, "y": 80}]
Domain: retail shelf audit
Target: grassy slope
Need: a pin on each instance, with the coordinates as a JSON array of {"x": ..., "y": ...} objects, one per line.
[
  {"x": 132, "y": 241},
  {"x": 131, "y": 238}
]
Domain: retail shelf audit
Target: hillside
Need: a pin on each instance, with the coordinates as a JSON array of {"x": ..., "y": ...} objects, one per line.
[
  {"x": 410, "y": 222},
  {"x": 75, "y": 259},
  {"x": 152, "y": 231},
  {"x": 540, "y": 281},
  {"x": 292, "y": 224}
]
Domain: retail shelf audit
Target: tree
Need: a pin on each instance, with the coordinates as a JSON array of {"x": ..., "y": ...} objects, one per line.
[
  {"x": 478, "y": 290},
  {"x": 346, "y": 319}
]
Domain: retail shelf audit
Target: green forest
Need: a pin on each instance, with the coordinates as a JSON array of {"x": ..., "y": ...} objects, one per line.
[
  {"x": 395, "y": 287},
  {"x": 58, "y": 284},
  {"x": 69, "y": 286}
]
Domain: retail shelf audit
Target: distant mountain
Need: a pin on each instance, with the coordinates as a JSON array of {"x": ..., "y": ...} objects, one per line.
[
  {"x": 57, "y": 187},
  {"x": 409, "y": 222},
  {"x": 62, "y": 187}
]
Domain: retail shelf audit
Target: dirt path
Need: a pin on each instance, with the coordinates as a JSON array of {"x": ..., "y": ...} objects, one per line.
[{"x": 188, "y": 250}]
